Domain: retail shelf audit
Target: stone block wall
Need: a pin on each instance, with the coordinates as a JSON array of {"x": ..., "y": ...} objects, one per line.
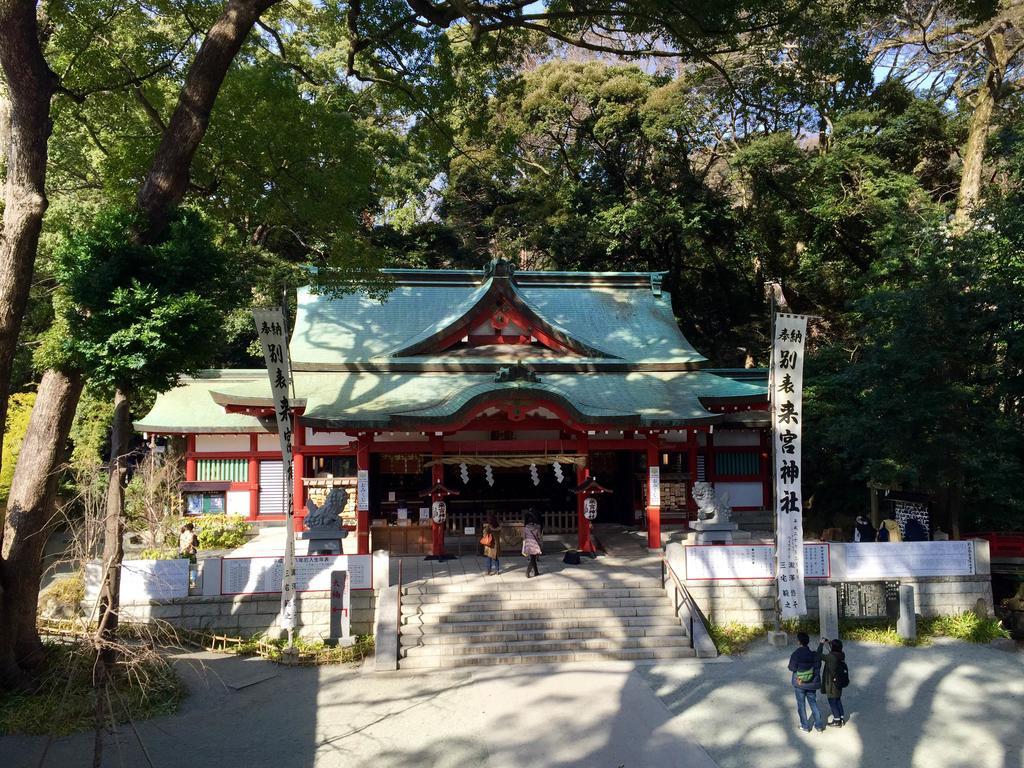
[
  {"x": 752, "y": 602},
  {"x": 248, "y": 615}
]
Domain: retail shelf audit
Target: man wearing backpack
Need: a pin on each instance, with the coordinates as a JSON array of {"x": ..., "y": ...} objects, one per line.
[
  {"x": 835, "y": 677},
  {"x": 805, "y": 666}
]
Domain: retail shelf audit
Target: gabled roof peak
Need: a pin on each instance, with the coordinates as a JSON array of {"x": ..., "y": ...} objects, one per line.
[{"x": 506, "y": 270}]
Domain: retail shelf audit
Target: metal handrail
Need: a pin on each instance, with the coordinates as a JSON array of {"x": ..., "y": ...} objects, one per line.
[
  {"x": 398, "y": 618},
  {"x": 695, "y": 613}
]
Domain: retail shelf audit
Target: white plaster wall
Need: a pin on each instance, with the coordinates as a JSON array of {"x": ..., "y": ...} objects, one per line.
[
  {"x": 267, "y": 443},
  {"x": 237, "y": 503},
  {"x": 537, "y": 434},
  {"x": 731, "y": 437},
  {"x": 743, "y": 494},
  {"x": 220, "y": 443},
  {"x": 401, "y": 437},
  {"x": 326, "y": 438}
]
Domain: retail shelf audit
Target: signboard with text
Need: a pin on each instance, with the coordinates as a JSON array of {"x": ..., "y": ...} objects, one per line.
[
  {"x": 787, "y": 383},
  {"x": 262, "y": 575},
  {"x": 909, "y": 558},
  {"x": 715, "y": 562}
]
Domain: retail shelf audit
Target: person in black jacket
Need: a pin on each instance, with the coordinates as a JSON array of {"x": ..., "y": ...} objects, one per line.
[
  {"x": 833, "y": 655},
  {"x": 805, "y": 665}
]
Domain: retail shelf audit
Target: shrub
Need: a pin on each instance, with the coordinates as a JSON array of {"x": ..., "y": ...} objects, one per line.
[
  {"x": 158, "y": 553},
  {"x": 733, "y": 638},
  {"x": 218, "y": 531}
]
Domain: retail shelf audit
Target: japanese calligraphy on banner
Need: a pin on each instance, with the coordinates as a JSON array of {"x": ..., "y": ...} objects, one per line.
[
  {"x": 273, "y": 332},
  {"x": 787, "y": 382}
]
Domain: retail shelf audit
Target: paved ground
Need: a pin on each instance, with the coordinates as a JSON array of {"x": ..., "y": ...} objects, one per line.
[{"x": 947, "y": 706}]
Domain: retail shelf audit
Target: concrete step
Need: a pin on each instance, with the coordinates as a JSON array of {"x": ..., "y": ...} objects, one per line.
[
  {"x": 518, "y": 625},
  {"x": 519, "y": 595},
  {"x": 525, "y": 605},
  {"x": 611, "y": 614},
  {"x": 545, "y": 582},
  {"x": 492, "y": 659},
  {"x": 496, "y": 633},
  {"x": 520, "y": 647}
]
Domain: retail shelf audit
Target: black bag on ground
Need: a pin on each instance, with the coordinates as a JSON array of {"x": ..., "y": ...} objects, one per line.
[{"x": 571, "y": 558}]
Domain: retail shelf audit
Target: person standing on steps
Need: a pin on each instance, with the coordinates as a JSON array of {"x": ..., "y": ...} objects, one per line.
[
  {"x": 491, "y": 541},
  {"x": 533, "y": 535},
  {"x": 834, "y": 677},
  {"x": 806, "y": 680}
]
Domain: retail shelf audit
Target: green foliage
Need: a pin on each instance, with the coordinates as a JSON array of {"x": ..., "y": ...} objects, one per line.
[
  {"x": 64, "y": 700},
  {"x": 733, "y": 638},
  {"x": 314, "y": 651},
  {"x": 966, "y": 626},
  {"x": 158, "y": 553},
  {"x": 19, "y": 409},
  {"x": 217, "y": 531},
  {"x": 141, "y": 315},
  {"x": 90, "y": 431}
]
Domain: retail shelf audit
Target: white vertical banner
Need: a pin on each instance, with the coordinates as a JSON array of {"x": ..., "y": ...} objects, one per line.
[
  {"x": 787, "y": 382},
  {"x": 273, "y": 332}
]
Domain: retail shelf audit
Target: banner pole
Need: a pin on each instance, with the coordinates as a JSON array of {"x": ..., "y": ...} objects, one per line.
[{"x": 777, "y": 619}]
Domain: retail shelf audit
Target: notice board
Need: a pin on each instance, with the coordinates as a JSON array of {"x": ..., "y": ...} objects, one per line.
[
  {"x": 881, "y": 560},
  {"x": 262, "y": 575},
  {"x": 715, "y": 562}
]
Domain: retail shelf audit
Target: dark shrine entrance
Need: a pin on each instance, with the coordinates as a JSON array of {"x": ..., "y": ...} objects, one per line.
[{"x": 511, "y": 494}]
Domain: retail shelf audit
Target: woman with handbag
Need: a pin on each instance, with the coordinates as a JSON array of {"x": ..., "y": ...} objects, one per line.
[
  {"x": 491, "y": 542},
  {"x": 532, "y": 537}
]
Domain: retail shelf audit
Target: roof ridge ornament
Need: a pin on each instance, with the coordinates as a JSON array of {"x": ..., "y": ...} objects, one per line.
[
  {"x": 517, "y": 372},
  {"x": 499, "y": 268},
  {"x": 656, "y": 283}
]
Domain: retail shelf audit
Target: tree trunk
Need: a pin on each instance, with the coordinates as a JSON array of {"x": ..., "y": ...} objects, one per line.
[
  {"x": 167, "y": 180},
  {"x": 969, "y": 194},
  {"x": 113, "y": 529},
  {"x": 30, "y": 86},
  {"x": 30, "y": 519}
]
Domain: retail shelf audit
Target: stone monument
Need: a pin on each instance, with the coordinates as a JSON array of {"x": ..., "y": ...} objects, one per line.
[
  {"x": 324, "y": 523},
  {"x": 714, "y": 516}
]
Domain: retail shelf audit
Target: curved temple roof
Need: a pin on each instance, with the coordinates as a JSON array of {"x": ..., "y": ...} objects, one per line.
[{"x": 363, "y": 364}]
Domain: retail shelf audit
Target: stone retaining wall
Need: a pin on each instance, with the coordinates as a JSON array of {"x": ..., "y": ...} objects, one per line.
[
  {"x": 247, "y": 615},
  {"x": 752, "y": 602}
]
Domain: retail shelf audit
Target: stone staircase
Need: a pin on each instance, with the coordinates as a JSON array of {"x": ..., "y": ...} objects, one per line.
[{"x": 543, "y": 620}]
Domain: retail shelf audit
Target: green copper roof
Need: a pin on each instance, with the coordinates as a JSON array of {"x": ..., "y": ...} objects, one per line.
[
  {"x": 621, "y": 318},
  {"x": 384, "y": 400}
]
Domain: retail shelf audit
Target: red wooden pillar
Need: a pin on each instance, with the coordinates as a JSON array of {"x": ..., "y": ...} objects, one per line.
[
  {"x": 584, "y": 526},
  {"x": 190, "y": 458},
  {"x": 298, "y": 470},
  {"x": 363, "y": 515},
  {"x": 709, "y": 457},
  {"x": 691, "y": 453},
  {"x": 254, "y": 477},
  {"x": 653, "y": 510},
  {"x": 436, "y": 478}
]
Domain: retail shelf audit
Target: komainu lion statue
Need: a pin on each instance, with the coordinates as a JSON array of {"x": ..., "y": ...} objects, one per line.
[
  {"x": 710, "y": 507},
  {"x": 328, "y": 516}
]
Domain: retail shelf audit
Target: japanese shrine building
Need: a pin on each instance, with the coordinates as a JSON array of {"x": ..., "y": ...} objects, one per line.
[{"x": 469, "y": 377}]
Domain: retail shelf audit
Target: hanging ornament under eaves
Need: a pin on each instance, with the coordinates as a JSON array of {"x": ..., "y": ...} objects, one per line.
[
  {"x": 464, "y": 472},
  {"x": 534, "y": 474},
  {"x": 558, "y": 471},
  {"x": 489, "y": 475}
]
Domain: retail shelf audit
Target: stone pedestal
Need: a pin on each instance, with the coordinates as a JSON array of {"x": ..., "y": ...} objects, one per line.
[
  {"x": 906, "y": 624},
  {"x": 323, "y": 542},
  {"x": 711, "y": 532},
  {"x": 828, "y": 612}
]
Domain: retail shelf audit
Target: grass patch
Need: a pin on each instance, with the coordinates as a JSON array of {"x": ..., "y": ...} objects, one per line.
[
  {"x": 733, "y": 638},
  {"x": 63, "y": 700},
  {"x": 310, "y": 651},
  {"x": 966, "y": 626},
  {"x": 876, "y": 632}
]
